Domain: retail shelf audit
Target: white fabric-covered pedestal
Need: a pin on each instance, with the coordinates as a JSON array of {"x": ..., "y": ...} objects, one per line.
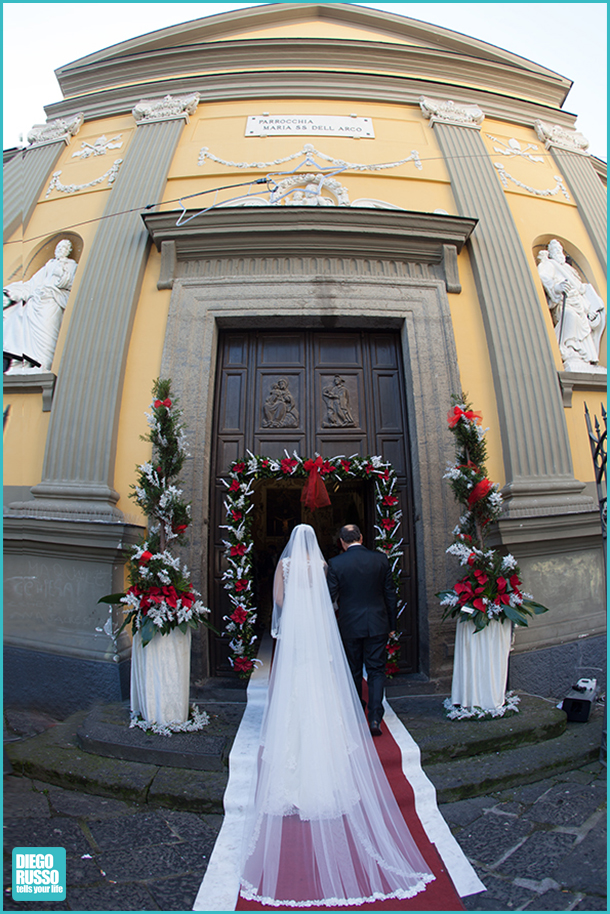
[
  {"x": 480, "y": 665},
  {"x": 160, "y": 677}
]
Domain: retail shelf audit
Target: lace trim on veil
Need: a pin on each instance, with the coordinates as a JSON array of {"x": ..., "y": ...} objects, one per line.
[{"x": 248, "y": 892}]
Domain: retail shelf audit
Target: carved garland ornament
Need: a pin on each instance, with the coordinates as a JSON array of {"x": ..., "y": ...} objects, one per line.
[
  {"x": 56, "y": 184},
  {"x": 550, "y": 192},
  {"x": 308, "y": 151}
]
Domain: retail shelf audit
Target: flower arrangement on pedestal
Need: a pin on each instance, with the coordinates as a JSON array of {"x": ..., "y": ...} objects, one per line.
[
  {"x": 490, "y": 591},
  {"x": 160, "y": 597},
  {"x": 238, "y": 578}
]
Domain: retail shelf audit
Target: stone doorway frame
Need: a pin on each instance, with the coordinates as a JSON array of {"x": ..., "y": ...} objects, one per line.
[{"x": 329, "y": 269}]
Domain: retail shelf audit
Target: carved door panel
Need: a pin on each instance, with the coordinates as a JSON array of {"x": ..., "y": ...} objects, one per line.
[{"x": 334, "y": 393}]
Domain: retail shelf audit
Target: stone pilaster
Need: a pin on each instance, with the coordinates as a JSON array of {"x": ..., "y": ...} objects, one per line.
[
  {"x": 79, "y": 460},
  {"x": 537, "y": 457},
  {"x": 25, "y": 174},
  {"x": 569, "y": 149}
]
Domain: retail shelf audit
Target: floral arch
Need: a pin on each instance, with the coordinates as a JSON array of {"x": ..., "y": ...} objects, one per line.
[{"x": 238, "y": 578}]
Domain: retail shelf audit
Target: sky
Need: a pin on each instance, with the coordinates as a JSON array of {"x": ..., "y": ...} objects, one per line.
[{"x": 569, "y": 38}]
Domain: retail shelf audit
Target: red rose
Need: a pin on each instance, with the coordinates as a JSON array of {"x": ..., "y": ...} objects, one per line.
[
  {"x": 235, "y": 486},
  {"x": 243, "y": 664},
  {"x": 265, "y": 463},
  {"x": 239, "y": 549},
  {"x": 236, "y": 515},
  {"x": 239, "y": 468},
  {"x": 239, "y": 615},
  {"x": 384, "y": 474},
  {"x": 391, "y": 667},
  {"x": 241, "y": 584},
  {"x": 145, "y": 557},
  {"x": 369, "y": 468},
  {"x": 327, "y": 467},
  {"x": 346, "y": 464},
  {"x": 388, "y": 524},
  {"x": 288, "y": 465}
]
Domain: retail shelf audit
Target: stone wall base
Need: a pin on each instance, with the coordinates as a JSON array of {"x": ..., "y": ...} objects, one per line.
[{"x": 59, "y": 685}]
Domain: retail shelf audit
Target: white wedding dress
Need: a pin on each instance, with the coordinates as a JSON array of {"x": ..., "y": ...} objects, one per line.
[{"x": 323, "y": 826}]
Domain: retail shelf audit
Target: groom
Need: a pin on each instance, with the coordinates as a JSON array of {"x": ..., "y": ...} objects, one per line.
[{"x": 361, "y": 582}]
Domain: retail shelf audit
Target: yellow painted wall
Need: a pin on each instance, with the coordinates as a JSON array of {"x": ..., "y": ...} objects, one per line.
[
  {"x": 24, "y": 438},
  {"x": 220, "y": 127}
]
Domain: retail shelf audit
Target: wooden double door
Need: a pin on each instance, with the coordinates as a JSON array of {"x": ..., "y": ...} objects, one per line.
[{"x": 334, "y": 393}]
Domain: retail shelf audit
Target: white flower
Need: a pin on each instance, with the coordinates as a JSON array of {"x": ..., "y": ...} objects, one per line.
[
  {"x": 508, "y": 562},
  {"x": 461, "y": 551},
  {"x": 450, "y": 599}
]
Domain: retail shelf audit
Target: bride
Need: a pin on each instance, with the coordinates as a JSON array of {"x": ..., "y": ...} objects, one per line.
[{"x": 324, "y": 827}]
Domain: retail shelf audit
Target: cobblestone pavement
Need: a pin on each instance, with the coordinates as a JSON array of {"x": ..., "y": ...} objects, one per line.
[{"x": 541, "y": 847}]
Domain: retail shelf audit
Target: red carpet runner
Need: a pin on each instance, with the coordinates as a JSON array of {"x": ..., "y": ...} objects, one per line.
[{"x": 439, "y": 895}]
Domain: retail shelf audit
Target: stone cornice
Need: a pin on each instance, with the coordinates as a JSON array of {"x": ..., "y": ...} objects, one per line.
[
  {"x": 80, "y": 539},
  {"x": 331, "y": 231},
  {"x": 312, "y": 56},
  {"x": 262, "y": 85}
]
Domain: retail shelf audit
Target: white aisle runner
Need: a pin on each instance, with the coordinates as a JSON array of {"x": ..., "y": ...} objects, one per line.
[{"x": 219, "y": 890}]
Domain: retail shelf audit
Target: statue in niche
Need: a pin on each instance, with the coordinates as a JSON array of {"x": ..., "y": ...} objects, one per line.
[
  {"x": 336, "y": 397},
  {"x": 33, "y": 312},
  {"x": 280, "y": 408},
  {"x": 578, "y": 311}
]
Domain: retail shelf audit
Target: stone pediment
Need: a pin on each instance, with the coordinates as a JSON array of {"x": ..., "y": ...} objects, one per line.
[{"x": 292, "y": 36}]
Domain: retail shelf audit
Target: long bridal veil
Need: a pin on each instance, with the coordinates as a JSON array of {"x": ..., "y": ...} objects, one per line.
[{"x": 323, "y": 826}]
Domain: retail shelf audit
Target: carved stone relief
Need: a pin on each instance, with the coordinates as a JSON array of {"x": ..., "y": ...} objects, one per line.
[
  {"x": 109, "y": 176},
  {"x": 445, "y": 111},
  {"x": 160, "y": 109},
  {"x": 98, "y": 148},
  {"x": 280, "y": 407},
  {"x": 556, "y": 135},
  {"x": 336, "y": 400},
  {"x": 60, "y": 129}
]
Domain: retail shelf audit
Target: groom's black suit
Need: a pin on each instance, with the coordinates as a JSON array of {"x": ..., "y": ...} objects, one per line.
[{"x": 361, "y": 582}]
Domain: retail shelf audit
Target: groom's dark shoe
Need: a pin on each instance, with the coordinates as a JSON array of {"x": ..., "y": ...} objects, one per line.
[{"x": 375, "y": 727}]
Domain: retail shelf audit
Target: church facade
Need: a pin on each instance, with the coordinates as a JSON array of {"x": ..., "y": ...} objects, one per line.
[{"x": 320, "y": 221}]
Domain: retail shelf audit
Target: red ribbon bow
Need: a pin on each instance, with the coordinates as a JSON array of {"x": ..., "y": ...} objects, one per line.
[
  {"x": 314, "y": 494},
  {"x": 454, "y": 417}
]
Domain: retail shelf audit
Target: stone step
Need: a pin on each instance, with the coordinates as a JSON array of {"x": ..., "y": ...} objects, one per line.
[
  {"x": 440, "y": 739},
  {"x": 505, "y": 768}
]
